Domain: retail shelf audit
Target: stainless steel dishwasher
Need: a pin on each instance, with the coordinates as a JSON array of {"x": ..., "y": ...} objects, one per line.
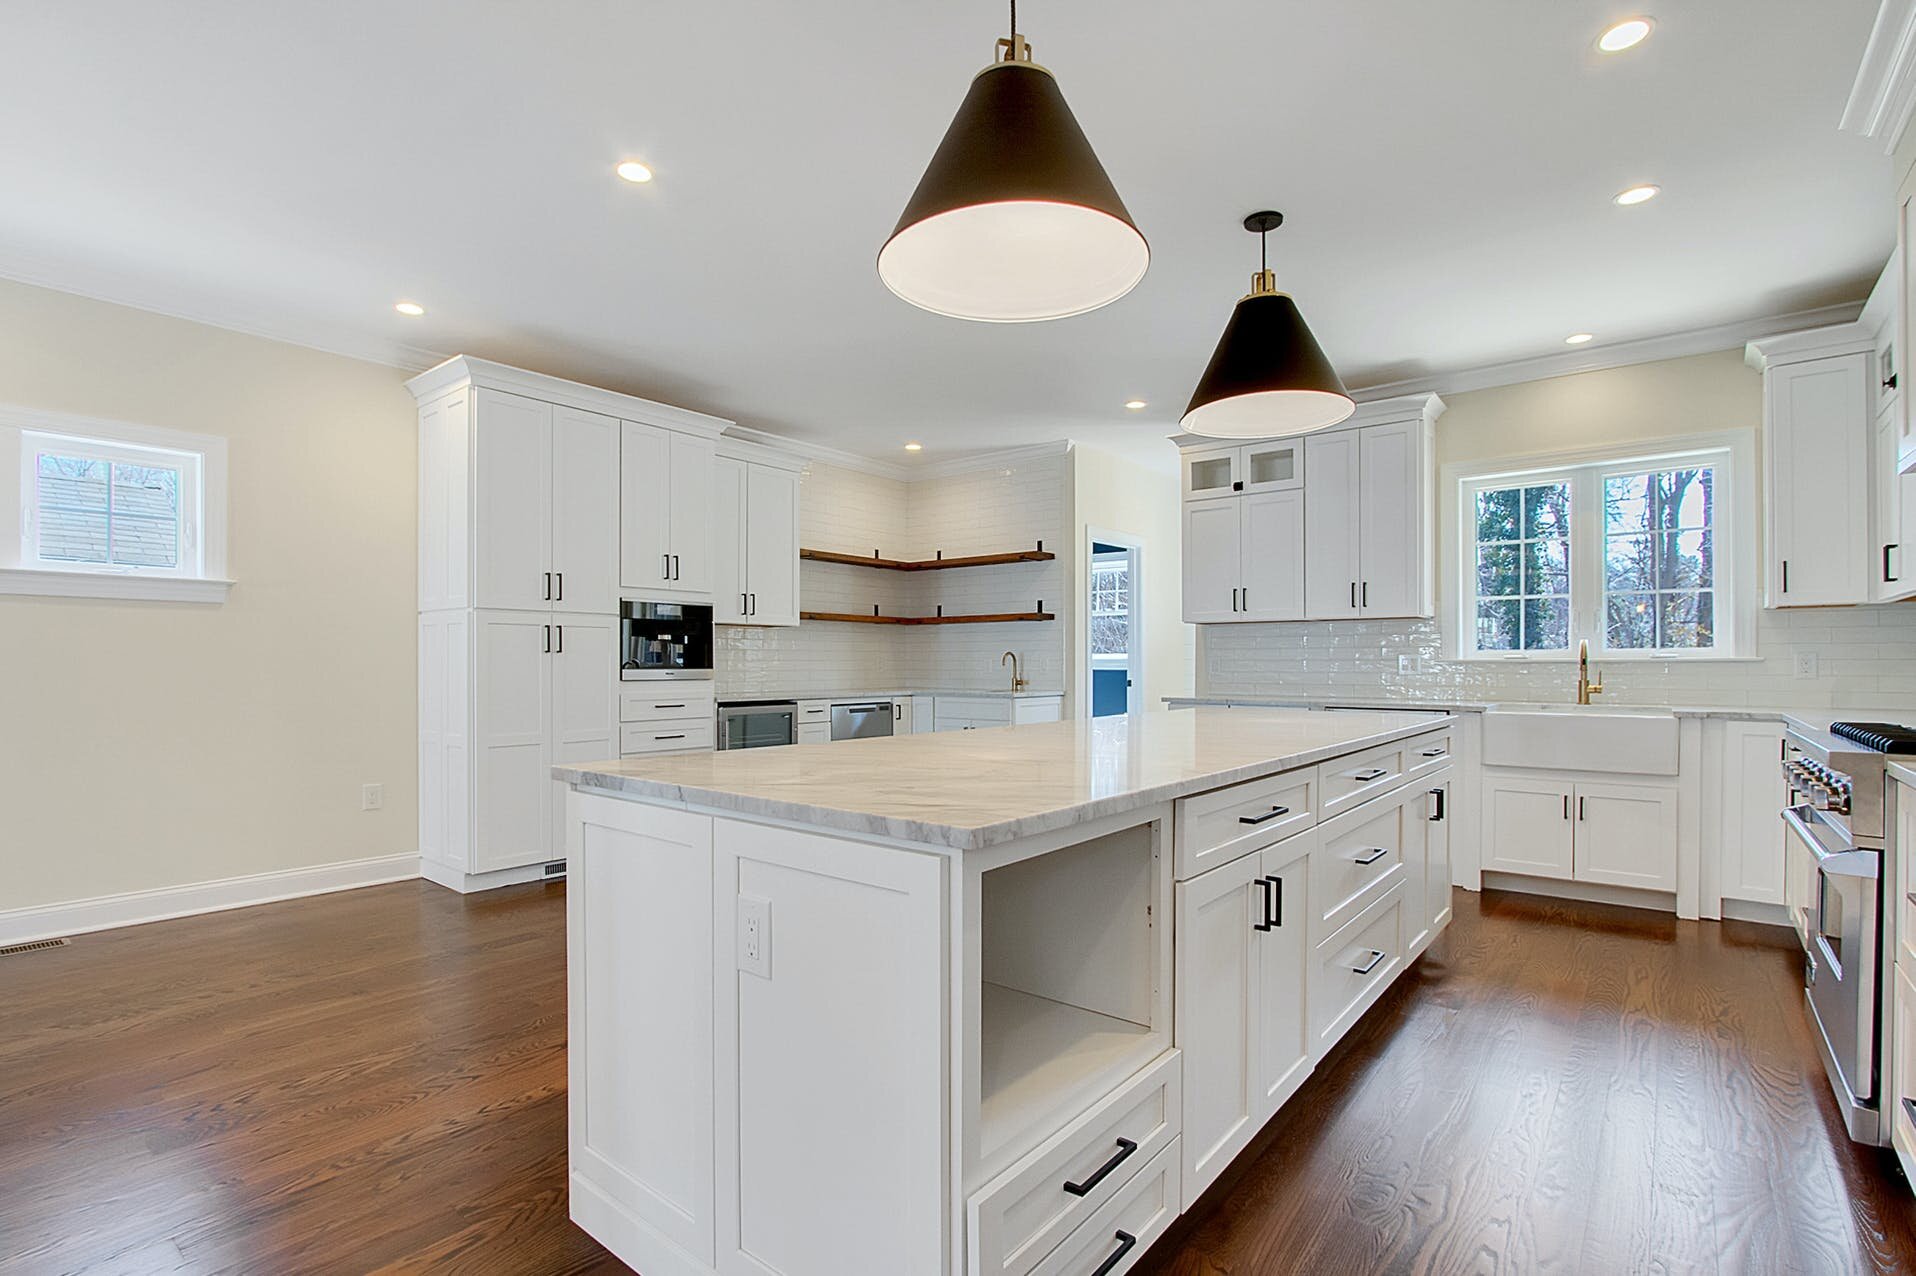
[{"x": 861, "y": 721}]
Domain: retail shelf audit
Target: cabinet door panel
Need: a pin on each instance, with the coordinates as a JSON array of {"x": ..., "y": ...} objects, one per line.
[
  {"x": 1753, "y": 792},
  {"x": 645, "y": 475},
  {"x": 1437, "y": 874},
  {"x": 1211, "y": 534},
  {"x": 1390, "y": 506},
  {"x": 1284, "y": 972},
  {"x": 512, "y": 740},
  {"x": 1527, "y": 827},
  {"x": 585, "y": 511},
  {"x": 1273, "y": 466},
  {"x": 1271, "y": 556},
  {"x": 690, "y": 516},
  {"x": 1818, "y": 445},
  {"x": 729, "y": 535},
  {"x": 771, "y": 545},
  {"x": 1211, "y": 472},
  {"x": 1626, "y": 835},
  {"x": 585, "y": 699},
  {"x": 1331, "y": 530},
  {"x": 1219, "y": 973},
  {"x": 445, "y": 517},
  {"x": 513, "y": 492},
  {"x": 1906, "y": 403}
]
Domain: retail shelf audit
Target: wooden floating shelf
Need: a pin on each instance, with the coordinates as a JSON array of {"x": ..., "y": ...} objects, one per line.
[
  {"x": 860, "y": 618},
  {"x": 1038, "y": 555}
]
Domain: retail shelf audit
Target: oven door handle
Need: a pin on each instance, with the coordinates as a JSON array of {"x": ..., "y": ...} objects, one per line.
[{"x": 1835, "y": 861}]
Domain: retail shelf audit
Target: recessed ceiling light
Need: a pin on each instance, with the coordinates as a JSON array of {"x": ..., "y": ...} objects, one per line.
[
  {"x": 914, "y": 447},
  {"x": 1636, "y": 195},
  {"x": 1625, "y": 35},
  {"x": 1135, "y": 405},
  {"x": 411, "y": 308},
  {"x": 1578, "y": 338},
  {"x": 633, "y": 171}
]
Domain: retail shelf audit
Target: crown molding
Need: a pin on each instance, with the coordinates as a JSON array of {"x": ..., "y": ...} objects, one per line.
[
  {"x": 824, "y": 454},
  {"x": 1623, "y": 354},
  {"x": 1814, "y": 343},
  {"x": 462, "y": 369},
  {"x": 976, "y": 461},
  {"x": 1883, "y": 95},
  {"x": 325, "y": 338}
]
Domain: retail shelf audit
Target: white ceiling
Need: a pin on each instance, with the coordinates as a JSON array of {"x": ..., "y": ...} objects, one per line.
[{"x": 1446, "y": 170}]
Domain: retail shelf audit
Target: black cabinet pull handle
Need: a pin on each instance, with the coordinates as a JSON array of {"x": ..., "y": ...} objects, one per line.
[
  {"x": 1890, "y": 384},
  {"x": 561, "y": 576},
  {"x": 1566, "y": 806},
  {"x": 1437, "y": 752},
  {"x": 1271, "y": 814},
  {"x": 548, "y": 586},
  {"x": 1365, "y": 777},
  {"x": 1277, "y": 900},
  {"x": 1579, "y": 806},
  {"x": 1887, "y": 578},
  {"x": 680, "y": 705},
  {"x": 1376, "y": 955},
  {"x": 1439, "y": 795},
  {"x": 561, "y": 639},
  {"x": 1786, "y": 575},
  {"x": 675, "y": 567},
  {"x": 1375, "y": 853},
  {"x": 1366, "y": 593},
  {"x": 1125, "y": 1148},
  {"x": 679, "y": 736},
  {"x": 1353, "y": 595},
  {"x": 665, "y": 567},
  {"x": 1237, "y": 486},
  {"x": 754, "y": 604},
  {"x": 1125, "y": 1242},
  {"x": 1264, "y": 889},
  {"x": 1244, "y": 597},
  {"x": 548, "y": 640}
]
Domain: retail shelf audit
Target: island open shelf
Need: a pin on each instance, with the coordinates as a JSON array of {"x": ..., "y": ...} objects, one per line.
[{"x": 1071, "y": 981}]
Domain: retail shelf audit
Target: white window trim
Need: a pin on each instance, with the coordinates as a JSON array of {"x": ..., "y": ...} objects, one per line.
[
  {"x": 1737, "y": 566},
  {"x": 208, "y": 585}
]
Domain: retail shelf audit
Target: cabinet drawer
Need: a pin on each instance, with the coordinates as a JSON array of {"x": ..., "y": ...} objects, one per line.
[
  {"x": 1215, "y": 828},
  {"x": 815, "y": 711},
  {"x": 1359, "y": 856},
  {"x": 978, "y": 710},
  {"x": 1354, "y": 966},
  {"x": 666, "y": 702},
  {"x": 1117, "y": 1236},
  {"x": 1020, "y": 1217},
  {"x": 1347, "y": 781},
  {"x": 1428, "y": 753},
  {"x": 1902, "y": 1089},
  {"x": 666, "y": 736}
]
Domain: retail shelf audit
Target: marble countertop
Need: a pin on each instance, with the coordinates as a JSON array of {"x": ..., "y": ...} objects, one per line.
[
  {"x": 972, "y": 789},
  {"x": 1904, "y": 771},
  {"x": 1820, "y": 718},
  {"x": 867, "y": 693}
]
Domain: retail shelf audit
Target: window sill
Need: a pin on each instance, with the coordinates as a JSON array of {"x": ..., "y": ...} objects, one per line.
[
  {"x": 121, "y": 585},
  {"x": 1604, "y": 658}
]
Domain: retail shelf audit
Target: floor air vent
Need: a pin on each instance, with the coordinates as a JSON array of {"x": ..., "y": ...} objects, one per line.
[
  {"x": 555, "y": 868},
  {"x": 33, "y": 947}
]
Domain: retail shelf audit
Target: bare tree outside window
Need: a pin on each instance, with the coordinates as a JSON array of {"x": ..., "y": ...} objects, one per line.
[{"x": 1659, "y": 560}]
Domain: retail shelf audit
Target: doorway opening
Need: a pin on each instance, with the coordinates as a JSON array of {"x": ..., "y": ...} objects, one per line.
[{"x": 1113, "y": 631}]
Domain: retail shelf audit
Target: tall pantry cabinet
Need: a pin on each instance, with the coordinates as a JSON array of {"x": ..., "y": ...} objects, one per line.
[{"x": 519, "y": 588}]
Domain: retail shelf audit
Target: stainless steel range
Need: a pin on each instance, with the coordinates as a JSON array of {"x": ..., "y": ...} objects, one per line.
[{"x": 1838, "y": 790}]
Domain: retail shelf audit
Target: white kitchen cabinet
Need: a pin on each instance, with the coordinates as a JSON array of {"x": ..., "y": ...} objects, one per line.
[
  {"x": 1816, "y": 442},
  {"x": 1750, "y": 837},
  {"x": 519, "y": 583},
  {"x": 1211, "y": 561},
  {"x": 1437, "y": 869},
  {"x": 901, "y": 715},
  {"x": 1333, "y": 529},
  {"x": 968, "y": 713},
  {"x": 1271, "y": 556},
  {"x": 755, "y": 543},
  {"x": 1903, "y": 299},
  {"x": 1392, "y": 544},
  {"x": 1586, "y": 831},
  {"x": 1892, "y": 514},
  {"x": 667, "y": 492},
  {"x": 814, "y": 732},
  {"x": 924, "y": 714},
  {"x": 1268, "y": 466},
  {"x": 1283, "y": 1018},
  {"x": 1527, "y": 826}
]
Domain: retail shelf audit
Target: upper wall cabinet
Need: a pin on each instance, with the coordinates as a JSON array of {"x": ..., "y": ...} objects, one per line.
[
  {"x": 1902, "y": 272},
  {"x": 1336, "y": 525},
  {"x": 1817, "y": 395},
  {"x": 667, "y": 484},
  {"x": 755, "y": 538}
]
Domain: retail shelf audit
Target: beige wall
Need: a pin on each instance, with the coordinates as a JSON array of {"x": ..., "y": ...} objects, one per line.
[
  {"x": 162, "y": 744},
  {"x": 1113, "y": 494}
]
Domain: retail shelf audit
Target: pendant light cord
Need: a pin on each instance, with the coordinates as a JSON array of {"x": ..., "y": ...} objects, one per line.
[{"x": 1014, "y": 18}]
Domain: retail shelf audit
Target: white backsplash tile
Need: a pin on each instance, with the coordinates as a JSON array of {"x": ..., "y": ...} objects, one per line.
[{"x": 1865, "y": 656}]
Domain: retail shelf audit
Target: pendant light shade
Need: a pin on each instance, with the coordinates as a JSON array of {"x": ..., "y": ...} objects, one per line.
[
  {"x": 1014, "y": 220},
  {"x": 1268, "y": 376}
]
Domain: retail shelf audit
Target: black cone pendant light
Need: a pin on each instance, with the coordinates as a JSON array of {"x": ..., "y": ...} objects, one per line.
[
  {"x": 1015, "y": 219},
  {"x": 1268, "y": 377}
]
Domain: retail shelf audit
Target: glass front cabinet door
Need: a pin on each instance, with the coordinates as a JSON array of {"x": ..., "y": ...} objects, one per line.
[{"x": 1249, "y": 467}]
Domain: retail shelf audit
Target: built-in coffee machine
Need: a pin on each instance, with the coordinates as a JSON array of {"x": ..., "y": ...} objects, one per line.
[{"x": 664, "y": 640}]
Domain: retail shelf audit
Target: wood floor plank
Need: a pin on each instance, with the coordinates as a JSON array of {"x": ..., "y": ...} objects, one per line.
[{"x": 375, "y": 1082}]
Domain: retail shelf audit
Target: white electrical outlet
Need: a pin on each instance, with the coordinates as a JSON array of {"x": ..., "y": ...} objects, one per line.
[
  {"x": 372, "y": 797},
  {"x": 1806, "y": 664},
  {"x": 755, "y": 935}
]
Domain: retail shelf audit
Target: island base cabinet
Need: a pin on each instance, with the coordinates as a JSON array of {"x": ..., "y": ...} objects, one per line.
[
  {"x": 639, "y": 1030},
  {"x": 1241, "y": 958},
  {"x": 1354, "y": 966},
  {"x": 1116, "y": 1237},
  {"x": 838, "y": 945}
]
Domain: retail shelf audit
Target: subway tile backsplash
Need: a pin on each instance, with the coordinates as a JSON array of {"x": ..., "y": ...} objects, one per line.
[{"x": 1865, "y": 656}]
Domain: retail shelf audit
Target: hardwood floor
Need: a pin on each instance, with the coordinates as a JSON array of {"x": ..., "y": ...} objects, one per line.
[{"x": 375, "y": 1081}]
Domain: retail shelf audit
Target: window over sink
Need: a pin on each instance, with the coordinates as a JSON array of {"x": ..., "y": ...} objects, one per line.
[{"x": 1619, "y": 551}]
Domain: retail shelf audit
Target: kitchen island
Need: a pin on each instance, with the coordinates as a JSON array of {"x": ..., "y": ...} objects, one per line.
[{"x": 993, "y": 1002}]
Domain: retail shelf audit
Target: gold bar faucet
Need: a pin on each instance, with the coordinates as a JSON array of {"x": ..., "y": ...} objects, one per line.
[
  {"x": 1018, "y": 681},
  {"x": 1585, "y": 687}
]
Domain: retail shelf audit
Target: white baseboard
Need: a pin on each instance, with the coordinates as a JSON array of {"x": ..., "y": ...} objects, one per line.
[
  {"x": 1586, "y": 892},
  {"x": 467, "y": 883},
  {"x": 103, "y": 912}
]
